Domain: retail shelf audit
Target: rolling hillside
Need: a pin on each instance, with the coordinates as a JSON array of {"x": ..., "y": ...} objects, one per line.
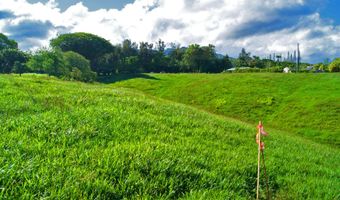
[
  {"x": 303, "y": 104},
  {"x": 69, "y": 140}
]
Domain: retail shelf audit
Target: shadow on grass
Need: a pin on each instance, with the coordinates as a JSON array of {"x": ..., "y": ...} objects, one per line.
[{"x": 122, "y": 77}]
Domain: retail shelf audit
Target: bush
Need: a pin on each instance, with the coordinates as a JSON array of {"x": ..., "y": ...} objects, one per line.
[
  {"x": 276, "y": 69},
  {"x": 69, "y": 65},
  {"x": 8, "y": 57},
  {"x": 48, "y": 61},
  {"x": 19, "y": 68},
  {"x": 79, "y": 67},
  {"x": 335, "y": 65},
  {"x": 247, "y": 70}
]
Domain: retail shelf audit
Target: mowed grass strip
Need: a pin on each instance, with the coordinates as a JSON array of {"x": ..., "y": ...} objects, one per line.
[
  {"x": 304, "y": 104},
  {"x": 67, "y": 140}
]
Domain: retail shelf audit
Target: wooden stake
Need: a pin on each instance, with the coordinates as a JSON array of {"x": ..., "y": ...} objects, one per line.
[
  {"x": 258, "y": 162},
  {"x": 265, "y": 174}
]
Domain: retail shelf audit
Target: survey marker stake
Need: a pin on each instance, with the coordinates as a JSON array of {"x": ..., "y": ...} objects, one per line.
[{"x": 260, "y": 149}]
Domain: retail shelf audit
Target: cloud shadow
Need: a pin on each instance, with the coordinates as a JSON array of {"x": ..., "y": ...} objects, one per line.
[{"x": 123, "y": 77}]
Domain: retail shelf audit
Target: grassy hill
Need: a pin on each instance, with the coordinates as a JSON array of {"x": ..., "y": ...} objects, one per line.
[
  {"x": 68, "y": 140},
  {"x": 303, "y": 104}
]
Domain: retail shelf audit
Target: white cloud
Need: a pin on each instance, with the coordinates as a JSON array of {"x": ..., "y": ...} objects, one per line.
[{"x": 261, "y": 26}]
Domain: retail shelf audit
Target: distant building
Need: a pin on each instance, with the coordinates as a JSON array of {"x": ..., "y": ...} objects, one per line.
[
  {"x": 309, "y": 68},
  {"x": 286, "y": 70}
]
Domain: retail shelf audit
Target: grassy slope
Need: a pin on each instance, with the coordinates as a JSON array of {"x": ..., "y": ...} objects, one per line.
[
  {"x": 68, "y": 140},
  {"x": 306, "y": 104}
]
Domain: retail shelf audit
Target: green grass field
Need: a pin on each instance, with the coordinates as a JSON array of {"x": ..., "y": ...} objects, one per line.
[
  {"x": 69, "y": 140},
  {"x": 303, "y": 104}
]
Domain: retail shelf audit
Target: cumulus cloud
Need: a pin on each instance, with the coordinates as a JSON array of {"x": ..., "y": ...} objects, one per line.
[
  {"x": 29, "y": 29},
  {"x": 28, "y": 32},
  {"x": 261, "y": 26}
]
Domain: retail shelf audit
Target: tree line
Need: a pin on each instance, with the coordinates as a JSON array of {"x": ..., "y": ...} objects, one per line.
[{"x": 83, "y": 56}]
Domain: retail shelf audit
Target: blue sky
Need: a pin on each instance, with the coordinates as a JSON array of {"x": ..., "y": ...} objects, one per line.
[
  {"x": 91, "y": 4},
  {"x": 331, "y": 10},
  {"x": 263, "y": 27}
]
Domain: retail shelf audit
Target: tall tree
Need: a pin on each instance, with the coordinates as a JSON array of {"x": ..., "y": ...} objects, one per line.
[
  {"x": 256, "y": 62},
  {"x": 159, "y": 61},
  {"x": 192, "y": 58},
  {"x": 145, "y": 56},
  {"x": 129, "y": 48},
  {"x": 88, "y": 45},
  {"x": 243, "y": 59},
  {"x": 209, "y": 60},
  {"x": 227, "y": 64},
  {"x": 201, "y": 59},
  {"x": 160, "y": 46},
  {"x": 108, "y": 63},
  {"x": 175, "y": 58}
]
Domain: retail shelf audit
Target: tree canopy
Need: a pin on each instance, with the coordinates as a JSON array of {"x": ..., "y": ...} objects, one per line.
[
  {"x": 92, "y": 47},
  {"x": 77, "y": 56},
  {"x": 48, "y": 61},
  {"x": 8, "y": 57},
  {"x": 244, "y": 59},
  {"x": 6, "y": 43}
]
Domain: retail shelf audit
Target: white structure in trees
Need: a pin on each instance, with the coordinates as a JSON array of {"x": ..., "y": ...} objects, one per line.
[{"x": 286, "y": 70}]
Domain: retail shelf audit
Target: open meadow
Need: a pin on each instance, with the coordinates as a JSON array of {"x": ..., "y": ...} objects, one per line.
[
  {"x": 170, "y": 99},
  {"x": 168, "y": 136},
  {"x": 303, "y": 104}
]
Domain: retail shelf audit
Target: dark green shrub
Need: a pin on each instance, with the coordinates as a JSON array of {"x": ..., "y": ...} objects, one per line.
[
  {"x": 335, "y": 65},
  {"x": 79, "y": 67}
]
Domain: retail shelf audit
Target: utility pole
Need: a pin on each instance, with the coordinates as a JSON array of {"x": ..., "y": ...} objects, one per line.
[
  {"x": 298, "y": 58},
  {"x": 291, "y": 57},
  {"x": 288, "y": 56},
  {"x": 294, "y": 58}
]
